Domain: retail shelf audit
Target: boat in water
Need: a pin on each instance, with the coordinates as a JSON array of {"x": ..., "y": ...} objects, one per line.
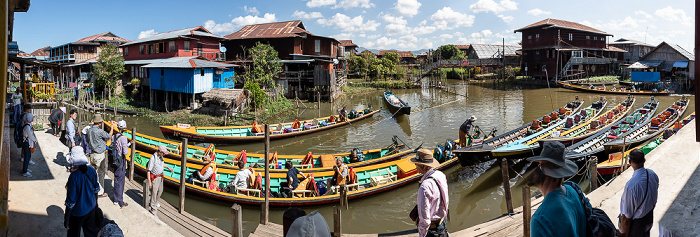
[
  {"x": 621, "y": 91},
  {"x": 396, "y": 105}
]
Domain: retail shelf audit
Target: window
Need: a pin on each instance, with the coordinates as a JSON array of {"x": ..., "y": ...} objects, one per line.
[
  {"x": 595, "y": 37},
  {"x": 571, "y": 36},
  {"x": 577, "y": 54},
  {"x": 529, "y": 37},
  {"x": 187, "y": 46},
  {"x": 126, "y": 51},
  {"x": 537, "y": 36},
  {"x": 150, "y": 48},
  {"x": 318, "y": 46},
  {"x": 171, "y": 46},
  {"x": 80, "y": 47},
  {"x": 141, "y": 49},
  {"x": 133, "y": 71},
  {"x": 201, "y": 72},
  {"x": 588, "y": 37}
]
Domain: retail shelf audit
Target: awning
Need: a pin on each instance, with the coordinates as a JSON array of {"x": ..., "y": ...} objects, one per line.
[
  {"x": 666, "y": 66},
  {"x": 681, "y": 64},
  {"x": 307, "y": 61},
  {"x": 646, "y": 76},
  {"x": 651, "y": 63},
  {"x": 637, "y": 65}
]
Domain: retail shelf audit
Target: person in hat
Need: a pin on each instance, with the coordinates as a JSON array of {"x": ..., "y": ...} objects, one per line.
[
  {"x": 638, "y": 198},
  {"x": 311, "y": 225},
  {"x": 155, "y": 177},
  {"x": 122, "y": 145},
  {"x": 464, "y": 131},
  {"x": 81, "y": 198},
  {"x": 343, "y": 114},
  {"x": 433, "y": 197},
  {"x": 97, "y": 142},
  {"x": 29, "y": 143},
  {"x": 561, "y": 212},
  {"x": 55, "y": 118}
]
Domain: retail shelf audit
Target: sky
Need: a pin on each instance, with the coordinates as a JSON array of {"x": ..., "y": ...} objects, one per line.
[{"x": 374, "y": 24}]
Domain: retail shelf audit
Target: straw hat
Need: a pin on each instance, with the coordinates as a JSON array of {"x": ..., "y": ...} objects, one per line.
[
  {"x": 553, "y": 152},
  {"x": 97, "y": 118},
  {"x": 425, "y": 157},
  {"x": 311, "y": 225}
]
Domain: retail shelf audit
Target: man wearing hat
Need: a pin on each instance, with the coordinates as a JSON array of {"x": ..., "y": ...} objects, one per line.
[
  {"x": 464, "y": 131},
  {"x": 433, "y": 198},
  {"x": 28, "y": 144},
  {"x": 122, "y": 145},
  {"x": 81, "y": 199},
  {"x": 155, "y": 177},
  {"x": 561, "y": 212},
  {"x": 97, "y": 142},
  {"x": 639, "y": 198}
]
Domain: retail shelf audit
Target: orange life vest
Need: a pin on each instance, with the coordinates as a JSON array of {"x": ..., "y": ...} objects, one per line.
[
  {"x": 256, "y": 128},
  {"x": 204, "y": 169},
  {"x": 339, "y": 179},
  {"x": 296, "y": 124}
]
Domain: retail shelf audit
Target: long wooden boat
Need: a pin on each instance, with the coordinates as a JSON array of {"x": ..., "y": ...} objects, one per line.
[
  {"x": 240, "y": 134},
  {"x": 529, "y": 145},
  {"x": 396, "y": 105},
  {"x": 227, "y": 159},
  {"x": 611, "y": 91},
  {"x": 593, "y": 145},
  {"x": 655, "y": 126},
  {"x": 572, "y": 132},
  {"x": 373, "y": 179},
  {"x": 121, "y": 111},
  {"x": 614, "y": 162},
  {"x": 479, "y": 151}
]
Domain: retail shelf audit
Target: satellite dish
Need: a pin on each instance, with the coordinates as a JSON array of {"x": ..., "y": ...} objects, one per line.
[{"x": 222, "y": 48}]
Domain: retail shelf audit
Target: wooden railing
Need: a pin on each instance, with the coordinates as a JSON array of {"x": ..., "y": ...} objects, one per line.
[{"x": 46, "y": 88}]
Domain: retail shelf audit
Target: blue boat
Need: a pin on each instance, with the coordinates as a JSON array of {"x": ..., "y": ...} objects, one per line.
[{"x": 396, "y": 105}]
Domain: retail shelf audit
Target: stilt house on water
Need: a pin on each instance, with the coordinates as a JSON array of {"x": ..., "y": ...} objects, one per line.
[
  {"x": 564, "y": 49},
  {"x": 311, "y": 63},
  {"x": 667, "y": 61},
  {"x": 183, "y": 63}
]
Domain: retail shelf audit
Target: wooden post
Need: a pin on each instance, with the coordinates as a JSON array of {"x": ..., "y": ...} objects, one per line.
[
  {"x": 236, "y": 221},
  {"x": 133, "y": 154},
  {"x": 527, "y": 209},
  {"x": 337, "y": 225},
  {"x": 506, "y": 184},
  {"x": 225, "y": 117},
  {"x": 344, "y": 197},
  {"x": 146, "y": 195},
  {"x": 183, "y": 174},
  {"x": 115, "y": 111},
  {"x": 593, "y": 169},
  {"x": 266, "y": 205}
]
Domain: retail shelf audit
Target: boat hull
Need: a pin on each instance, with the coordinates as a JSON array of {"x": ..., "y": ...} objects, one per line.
[{"x": 581, "y": 88}]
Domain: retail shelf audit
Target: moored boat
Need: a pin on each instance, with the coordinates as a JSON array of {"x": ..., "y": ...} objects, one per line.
[
  {"x": 396, "y": 105},
  {"x": 253, "y": 133},
  {"x": 621, "y": 91}
]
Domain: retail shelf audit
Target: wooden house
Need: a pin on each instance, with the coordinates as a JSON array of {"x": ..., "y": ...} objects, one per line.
[
  {"x": 310, "y": 62},
  {"x": 634, "y": 49},
  {"x": 463, "y": 47},
  {"x": 667, "y": 62},
  {"x": 561, "y": 49},
  {"x": 349, "y": 48},
  {"x": 76, "y": 58},
  {"x": 491, "y": 55},
  {"x": 406, "y": 58}
]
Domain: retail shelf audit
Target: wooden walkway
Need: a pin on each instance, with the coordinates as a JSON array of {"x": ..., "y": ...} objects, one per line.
[{"x": 275, "y": 230}]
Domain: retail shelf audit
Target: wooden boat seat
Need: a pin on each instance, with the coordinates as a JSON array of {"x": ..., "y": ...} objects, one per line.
[
  {"x": 205, "y": 184},
  {"x": 248, "y": 192},
  {"x": 198, "y": 154},
  {"x": 303, "y": 166},
  {"x": 303, "y": 193},
  {"x": 173, "y": 149},
  {"x": 228, "y": 159},
  {"x": 378, "y": 178}
]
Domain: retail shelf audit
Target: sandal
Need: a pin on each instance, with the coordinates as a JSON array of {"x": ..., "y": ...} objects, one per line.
[
  {"x": 103, "y": 195},
  {"x": 125, "y": 205}
]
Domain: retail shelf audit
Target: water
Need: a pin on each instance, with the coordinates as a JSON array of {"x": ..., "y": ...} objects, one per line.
[{"x": 476, "y": 194}]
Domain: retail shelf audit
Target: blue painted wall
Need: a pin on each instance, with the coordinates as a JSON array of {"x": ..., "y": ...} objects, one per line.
[
  {"x": 220, "y": 80},
  {"x": 184, "y": 80},
  {"x": 646, "y": 76}
]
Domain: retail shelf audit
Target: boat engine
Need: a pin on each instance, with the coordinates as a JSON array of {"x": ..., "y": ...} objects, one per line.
[{"x": 444, "y": 153}]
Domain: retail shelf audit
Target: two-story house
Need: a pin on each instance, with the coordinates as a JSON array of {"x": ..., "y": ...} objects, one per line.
[
  {"x": 76, "y": 58},
  {"x": 635, "y": 49}
]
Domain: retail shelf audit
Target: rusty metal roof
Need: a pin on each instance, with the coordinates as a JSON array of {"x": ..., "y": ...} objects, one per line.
[
  {"x": 563, "y": 24},
  {"x": 462, "y": 46},
  {"x": 347, "y": 43},
  {"x": 615, "y": 49},
  {"x": 284, "y": 29},
  {"x": 106, "y": 36},
  {"x": 192, "y": 31}
]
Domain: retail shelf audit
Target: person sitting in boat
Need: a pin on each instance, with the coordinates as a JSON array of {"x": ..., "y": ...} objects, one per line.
[
  {"x": 464, "y": 131},
  {"x": 340, "y": 175},
  {"x": 243, "y": 177},
  {"x": 205, "y": 173},
  {"x": 356, "y": 156},
  {"x": 292, "y": 180},
  {"x": 591, "y": 87},
  {"x": 343, "y": 114},
  {"x": 614, "y": 89},
  {"x": 633, "y": 89}
]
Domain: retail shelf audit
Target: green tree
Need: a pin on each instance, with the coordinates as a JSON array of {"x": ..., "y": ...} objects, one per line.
[
  {"x": 392, "y": 56},
  {"x": 357, "y": 64},
  {"x": 448, "y": 52},
  {"x": 109, "y": 68},
  {"x": 266, "y": 65}
]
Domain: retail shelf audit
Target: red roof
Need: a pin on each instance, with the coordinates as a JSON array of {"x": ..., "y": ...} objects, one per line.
[
  {"x": 270, "y": 30},
  {"x": 615, "y": 49},
  {"x": 41, "y": 52},
  {"x": 347, "y": 43},
  {"x": 462, "y": 46},
  {"x": 402, "y": 54},
  {"x": 106, "y": 36},
  {"x": 563, "y": 24}
]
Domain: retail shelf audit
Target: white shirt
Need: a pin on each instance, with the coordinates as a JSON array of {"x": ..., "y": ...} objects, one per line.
[
  {"x": 634, "y": 193},
  {"x": 17, "y": 98},
  {"x": 241, "y": 180},
  {"x": 29, "y": 135}
]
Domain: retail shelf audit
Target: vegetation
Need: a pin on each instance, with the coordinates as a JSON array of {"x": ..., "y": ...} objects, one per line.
[
  {"x": 448, "y": 52},
  {"x": 109, "y": 68},
  {"x": 368, "y": 65},
  {"x": 602, "y": 79}
]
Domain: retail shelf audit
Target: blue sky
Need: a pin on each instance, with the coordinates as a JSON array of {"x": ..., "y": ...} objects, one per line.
[{"x": 378, "y": 24}]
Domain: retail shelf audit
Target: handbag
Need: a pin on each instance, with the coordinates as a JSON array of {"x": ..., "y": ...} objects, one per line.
[{"x": 597, "y": 221}]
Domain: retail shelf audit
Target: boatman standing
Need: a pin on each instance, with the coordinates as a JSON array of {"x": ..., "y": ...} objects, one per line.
[
  {"x": 464, "y": 131},
  {"x": 433, "y": 198}
]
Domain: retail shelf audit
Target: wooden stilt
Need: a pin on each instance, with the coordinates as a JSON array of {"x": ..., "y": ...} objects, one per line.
[
  {"x": 337, "y": 225},
  {"x": 527, "y": 209},
  {"x": 236, "y": 221},
  {"x": 506, "y": 185}
]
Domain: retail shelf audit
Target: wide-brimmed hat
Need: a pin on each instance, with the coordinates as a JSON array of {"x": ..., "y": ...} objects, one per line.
[
  {"x": 553, "y": 152},
  {"x": 29, "y": 118},
  {"x": 162, "y": 148},
  {"x": 97, "y": 118},
  {"x": 76, "y": 156},
  {"x": 425, "y": 157},
  {"x": 473, "y": 118}
]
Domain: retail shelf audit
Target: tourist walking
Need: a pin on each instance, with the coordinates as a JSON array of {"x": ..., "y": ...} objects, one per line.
[
  {"x": 81, "y": 200},
  {"x": 561, "y": 212},
  {"x": 155, "y": 177},
  {"x": 122, "y": 149},
  {"x": 433, "y": 197},
  {"x": 29, "y": 143},
  {"x": 72, "y": 140},
  {"x": 464, "y": 131},
  {"x": 97, "y": 142},
  {"x": 638, "y": 198},
  {"x": 55, "y": 119}
]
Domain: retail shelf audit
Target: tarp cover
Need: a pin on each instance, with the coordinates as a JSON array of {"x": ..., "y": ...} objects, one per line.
[
  {"x": 646, "y": 76},
  {"x": 681, "y": 64}
]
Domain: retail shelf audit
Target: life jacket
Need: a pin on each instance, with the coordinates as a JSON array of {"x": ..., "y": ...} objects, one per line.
[
  {"x": 296, "y": 124},
  {"x": 256, "y": 128},
  {"x": 308, "y": 159},
  {"x": 210, "y": 151},
  {"x": 655, "y": 122},
  {"x": 611, "y": 115},
  {"x": 352, "y": 176},
  {"x": 535, "y": 124},
  {"x": 204, "y": 169},
  {"x": 243, "y": 156},
  {"x": 562, "y": 110},
  {"x": 213, "y": 182},
  {"x": 273, "y": 159},
  {"x": 339, "y": 179},
  {"x": 546, "y": 119},
  {"x": 332, "y": 118}
]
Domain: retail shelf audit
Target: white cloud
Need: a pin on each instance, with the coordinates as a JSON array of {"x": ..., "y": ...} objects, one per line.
[
  {"x": 446, "y": 18},
  {"x": 481, "y": 34},
  {"x": 381, "y": 43},
  {"x": 373, "y": 36},
  {"x": 407, "y": 7},
  {"x": 306, "y": 15},
  {"x": 238, "y": 22},
  {"x": 251, "y": 10},
  {"x": 347, "y": 4},
  {"x": 319, "y": 3},
  {"x": 506, "y": 19},
  {"x": 393, "y": 19},
  {"x": 348, "y": 24},
  {"x": 537, "y": 12},
  {"x": 674, "y": 15},
  {"x": 643, "y": 13},
  {"x": 147, "y": 33},
  {"x": 627, "y": 23},
  {"x": 446, "y": 36},
  {"x": 492, "y": 6},
  {"x": 428, "y": 45},
  {"x": 343, "y": 36}
]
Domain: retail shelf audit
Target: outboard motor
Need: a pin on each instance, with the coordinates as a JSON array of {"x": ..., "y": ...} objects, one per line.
[{"x": 439, "y": 153}]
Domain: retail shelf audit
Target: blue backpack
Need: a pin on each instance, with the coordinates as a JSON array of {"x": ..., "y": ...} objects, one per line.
[{"x": 114, "y": 159}]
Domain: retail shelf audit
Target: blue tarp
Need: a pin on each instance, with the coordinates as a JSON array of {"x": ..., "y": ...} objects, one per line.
[
  {"x": 646, "y": 76},
  {"x": 681, "y": 64}
]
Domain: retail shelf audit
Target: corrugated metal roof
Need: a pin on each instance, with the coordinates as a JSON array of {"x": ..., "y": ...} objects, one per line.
[
  {"x": 179, "y": 62},
  {"x": 106, "y": 36},
  {"x": 683, "y": 52},
  {"x": 493, "y": 50},
  {"x": 680, "y": 64},
  {"x": 666, "y": 66},
  {"x": 651, "y": 63},
  {"x": 270, "y": 30},
  {"x": 615, "y": 49},
  {"x": 563, "y": 24},
  {"x": 347, "y": 43},
  {"x": 632, "y": 42},
  {"x": 196, "y": 31}
]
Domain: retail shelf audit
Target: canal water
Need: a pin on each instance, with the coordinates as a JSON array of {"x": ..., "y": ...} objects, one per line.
[{"x": 475, "y": 193}]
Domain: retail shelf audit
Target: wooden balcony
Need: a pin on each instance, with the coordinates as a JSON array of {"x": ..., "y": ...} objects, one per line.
[
  {"x": 213, "y": 56},
  {"x": 65, "y": 57}
]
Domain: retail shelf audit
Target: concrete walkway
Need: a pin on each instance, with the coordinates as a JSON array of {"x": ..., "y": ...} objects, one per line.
[{"x": 36, "y": 204}]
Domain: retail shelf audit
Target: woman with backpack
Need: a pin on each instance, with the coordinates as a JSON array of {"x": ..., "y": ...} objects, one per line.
[{"x": 118, "y": 150}]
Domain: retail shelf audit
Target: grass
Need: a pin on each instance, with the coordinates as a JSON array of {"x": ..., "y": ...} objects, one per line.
[{"x": 380, "y": 84}]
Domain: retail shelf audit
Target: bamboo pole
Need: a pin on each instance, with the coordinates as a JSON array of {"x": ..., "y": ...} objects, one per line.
[
  {"x": 183, "y": 174},
  {"x": 344, "y": 197},
  {"x": 236, "y": 221},
  {"x": 264, "y": 214},
  {"x": 133, "y": 154},
  {"x": 506, "y": 185}
]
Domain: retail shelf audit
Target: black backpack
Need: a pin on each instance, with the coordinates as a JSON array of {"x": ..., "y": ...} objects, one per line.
[
  {"x": 114, "y": 158},
  {"x": 598, "y": 223},
  {"x": 19, "y": 133}
]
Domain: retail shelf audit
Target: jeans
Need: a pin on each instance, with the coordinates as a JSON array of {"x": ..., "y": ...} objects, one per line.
[
  {"x": 440, "y": 231},
  {"x": 27, "y": 155},
  {"x": 56, "y": 128}
]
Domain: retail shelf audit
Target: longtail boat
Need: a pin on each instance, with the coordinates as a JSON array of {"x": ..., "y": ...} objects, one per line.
[
  {"x": 637, "y": 135},
  {"x": 305, "y": 163},
  {"x": 253, "y": 133},
  {"x": 396, "y": 105},
  {"x": 573, "y": 132},
  {"x": 479, "y": 151},
  {"x": 621, "y": 91},
  {"x": 529, "y": 145},
  {"x": 370, "y": 180},
  {"x": 580, "y": 151},
  {"x": 614, "y": 162}
]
